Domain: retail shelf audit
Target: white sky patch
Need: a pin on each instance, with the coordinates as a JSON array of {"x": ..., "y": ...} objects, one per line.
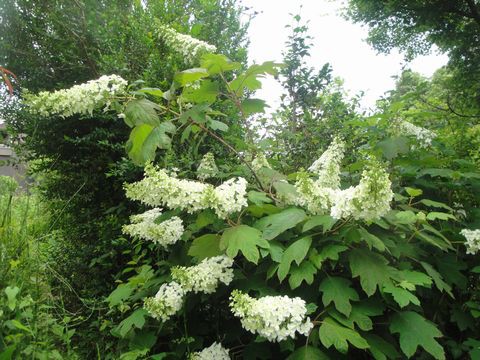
[{"x": 336, "y": 40}]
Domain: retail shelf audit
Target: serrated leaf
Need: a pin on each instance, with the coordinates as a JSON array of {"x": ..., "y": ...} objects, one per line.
[
  {"x": 274, "y": 225},
  {"x": 143, "y": 142},
  {"x": 332, "y": 333},
  {"x": 431, "y": 203},
  {"x": 393, "y": 146},
  {"x": 207, "y": 92},
  {"x": 440, "y": 216},
  {"x": 413, "y": 192},
  {"x": 437, "y": 279},
  {"x": 245, "y": 239},
  {"x": 371, "y": 240},
  {"x": 381, "y": 349},
  {"x": 135, "y": 320},
  {"x": 401, "y": 296},
  {"x": 252, "y": 106},
  {"x": 295, "y": 252},
  {"x": 406, "y": 217},
  {"x": 307, "y": 353},
  {"x": 415, "y": 331},
  {"x": 190, "y": 76},
  {"x": 325, "y": 221},
  {"x": 250, "y": 78},
  {"x": 372, "y": 268},
  {"x": 217, "y": 63},
  {"x": 258, "y": 198},
  {"x": 217, "y": 125},
  {"x": 330, "y": 251},
  {"x": 339, "y": 291},
  {"x": 303, "y": 272},
  {"x": 121, "y": 293},
  {"x": 141, "y": 111},
  {"x": 205, "y": 246}
]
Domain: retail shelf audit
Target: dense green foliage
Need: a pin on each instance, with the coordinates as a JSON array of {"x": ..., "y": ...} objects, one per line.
[{"x": 370, "y": 241}]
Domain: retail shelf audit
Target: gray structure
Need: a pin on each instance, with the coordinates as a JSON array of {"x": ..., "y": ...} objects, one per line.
[{"x": 9, "y": 165}]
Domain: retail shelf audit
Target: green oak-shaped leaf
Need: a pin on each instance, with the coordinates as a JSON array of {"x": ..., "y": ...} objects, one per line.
[
  {"x": 326, "y": 221},
  {"x": 338, "y": 290},
  {"x": 145, "y": 139},
  {"x": 205, "y": 246},
  {"x": 304, "y": 272},
  {"x": 295, "y": 252},
  {"x": 330, "y": 251},
  {"x": 402, "y": 296},
  {"x": 372, "y": 268},
  {"x": 217, "y": 63},
  {"x": 332, "y": 333},
  {"x": 141, "y": 111},
  {"x": 136, "y": 319},
  {"x": 245, "y": 239},
  {"x": 190, "y": 76},
  {"x": 274, "y": 225},
  {"x": 416, "y": 331},
  {"x": 381, "y": 349}
]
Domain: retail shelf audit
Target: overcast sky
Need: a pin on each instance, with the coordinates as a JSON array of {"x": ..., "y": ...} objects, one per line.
[{"x": 336, "y": 41}]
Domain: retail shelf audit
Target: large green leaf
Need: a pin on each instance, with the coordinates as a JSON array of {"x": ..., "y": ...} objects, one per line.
[
  {"x": 416, "y": 331},
  {"x": 402, "y": 296},
  {"x": 245, "y": 239},
  {"x": 141, "y": 111},
  {"x": 325, "y": 221},
  {"x": 295, "y": 252},
  {"x": 190, "y": 76},
  {"x": 372, "y": 268},
  {"x": 381, "y": 349},
  {"x": 121, "y": 293},
  {"x": 393, "y": 146},
  {"x": 217, "y": 63},
  {"x": 307, "y": 353},
  {"x": 207, "y": 92},
  {"x": 274, "y": 225},
  {"x": 250, "y": 78},
  {"x": 145, "y": 139},
  {"x": 299, "y": 273},
  {"x": 252, "y": 106},
  {"x": 339, "y": 291},
  {"x": 135, "y": 320},
  {"x": 331, "y": 251},
  {"x": 332, "y": 333},
  {"x": 205, "y": 246}
]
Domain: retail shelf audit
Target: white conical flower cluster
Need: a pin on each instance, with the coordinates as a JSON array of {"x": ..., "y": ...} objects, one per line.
[
  {"x": 369, "y": 200},
  {"x": 165, "y": 233},
  {"x": 79, "y": 99},
  {"x": 207, "y": 167},
  {"x": 205, "y": 276},
  {"x": 276, "y": 318},
  {"x": 167, "y": 302},
  {"x": 327, "y": 166},
  {"x": 260, "y": 161},
  {"x": 188, "y": 47},
  {"x": 159, "y": 188},
  {"x": 423, "y": 136},
  {"x": 473, "y": 240},
  {"x": 202, "y": 278},
  {"x": 214, "y": 352}
]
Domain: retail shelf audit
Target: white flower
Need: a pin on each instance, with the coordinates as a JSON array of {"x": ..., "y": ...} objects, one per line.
[
  {"x": 167, "y": 302},
  {"x": 260, "y": 161},
  {"x": 207, "y": 167},
  {"x": 274, "y": 317},
  {"x": 473, "y": 240},
  {"x": 158, "y": 188},
  {"x": 215, "y": 352},
  {"x": 205, "y": 276},
  {"x": 165, "y": 233},
  {"x": 79, "y": 99},
  {"x": 230, "y": 197},
  {"x": 188, "y": 47},
  {"x": 327, "y": 167},
  {"x": 424, "y": 136}
]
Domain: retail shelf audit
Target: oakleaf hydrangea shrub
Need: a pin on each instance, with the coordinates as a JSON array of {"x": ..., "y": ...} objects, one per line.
[{"x": 339, "y": 260}]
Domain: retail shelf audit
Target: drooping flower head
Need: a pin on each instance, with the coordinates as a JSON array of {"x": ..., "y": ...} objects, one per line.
[
  {"x": 274, "y": 317},
  {"x": 167, "y": 302},
  {"x": 214, "y": 352},
  {"x": 327, "y": 166},
  {"x": 188, "y": 47},
  {"x": 144, "y": 226},
  {"x": 473, "y": 240},
  {"x": 206, "y": 276},
  {"x": 207, "y": 167},
  {"x": 79, "y": 99}
]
